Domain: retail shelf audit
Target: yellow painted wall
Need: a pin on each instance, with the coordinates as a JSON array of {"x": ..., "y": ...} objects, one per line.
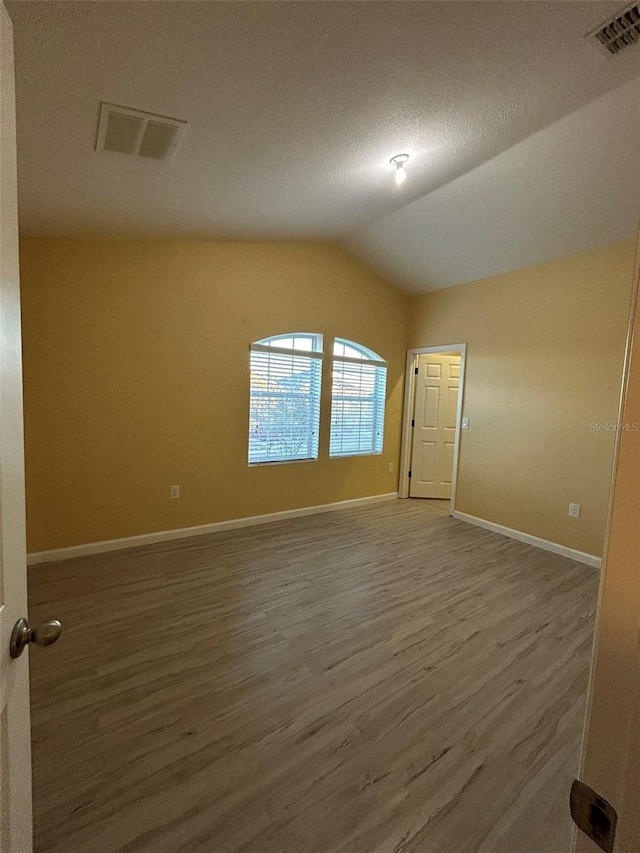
[
  {"x": 544, "y": 362},
  {"x": 136, "y": 378}
]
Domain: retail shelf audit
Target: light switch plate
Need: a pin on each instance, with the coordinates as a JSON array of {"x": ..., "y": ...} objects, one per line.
[{"x": 465, "y": 423}]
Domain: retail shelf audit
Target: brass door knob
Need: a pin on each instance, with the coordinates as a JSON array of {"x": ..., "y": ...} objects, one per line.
[{"x": 42, "y": 635}]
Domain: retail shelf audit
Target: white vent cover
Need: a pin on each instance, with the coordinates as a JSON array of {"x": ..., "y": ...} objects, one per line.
[
  {"x": 619, "y": 32},
  {"x": 126, "y": 131}
]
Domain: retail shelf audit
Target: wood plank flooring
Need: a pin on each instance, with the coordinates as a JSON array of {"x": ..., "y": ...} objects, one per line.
[
  {"x": 438, "y": 503},
  {"x": 375, "y": 680}
]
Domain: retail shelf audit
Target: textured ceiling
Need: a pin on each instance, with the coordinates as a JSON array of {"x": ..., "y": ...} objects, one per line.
[
  {"x": 294, "y": 110},
  {"x": 569, "y": 188}
]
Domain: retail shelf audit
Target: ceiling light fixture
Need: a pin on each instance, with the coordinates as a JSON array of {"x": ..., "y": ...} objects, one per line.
[{"x": 398, "y": 161}]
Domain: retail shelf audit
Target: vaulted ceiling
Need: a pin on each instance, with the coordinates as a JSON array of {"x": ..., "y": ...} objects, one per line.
[
  {"x": 513, "y": 120},
  {"x": 571, "y": 187}
]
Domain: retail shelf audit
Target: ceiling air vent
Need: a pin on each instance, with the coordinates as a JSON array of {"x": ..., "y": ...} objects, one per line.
[
  {"x": 619, "y": 32},
  {"x": 126, "y": 131}
]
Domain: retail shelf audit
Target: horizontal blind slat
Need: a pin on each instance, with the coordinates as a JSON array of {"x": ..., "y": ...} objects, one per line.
[
  {"x": 348, "y": 360},
  {"x": 287, "y": 352}
]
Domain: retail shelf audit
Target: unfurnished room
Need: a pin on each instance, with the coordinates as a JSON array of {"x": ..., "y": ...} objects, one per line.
[{"x": 319, "y": 426}]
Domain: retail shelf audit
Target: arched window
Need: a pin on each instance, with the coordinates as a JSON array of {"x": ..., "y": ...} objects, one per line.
[
  {"x": 284, "y": 408},
  {"x": 357, "y": 400}
]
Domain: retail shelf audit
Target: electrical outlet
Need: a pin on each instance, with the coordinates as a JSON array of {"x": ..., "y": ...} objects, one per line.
[
  {"x": 390, "y": 467},
  {"x": 465, "y": 423},
  {"x": 574, "y": 510},
  {"x": 174, "y": 493}
]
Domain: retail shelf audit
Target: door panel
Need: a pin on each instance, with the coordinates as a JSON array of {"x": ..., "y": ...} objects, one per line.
[
  {"x": 431, "y": 407},
  {"x": 15, "y": 747},
  {"x": 451, "y": 408},
  {"x": 435, "y": 412},
  {"x": 447, "y": 462},
  {"x": 427, "y": 461}
]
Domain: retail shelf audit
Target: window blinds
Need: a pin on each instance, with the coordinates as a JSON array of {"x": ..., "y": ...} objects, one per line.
[
  {"x": 357, "y": 406},
  {"x": 284, "y": 404}
]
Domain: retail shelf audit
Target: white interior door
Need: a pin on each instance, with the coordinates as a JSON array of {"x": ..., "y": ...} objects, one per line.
[
  {"x": 15, "y": 742},
  {"x": 434, "y": 425},
  {"x": 611, "y": 754}
]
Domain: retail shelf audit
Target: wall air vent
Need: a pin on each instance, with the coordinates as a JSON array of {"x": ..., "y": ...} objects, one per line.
[
  {"x": 619, "y": 32},
  {"x": 126, "y": 131}
]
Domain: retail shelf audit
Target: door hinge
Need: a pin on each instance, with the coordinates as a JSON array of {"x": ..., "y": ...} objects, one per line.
[
  {"x": 413, "y": 423},
  {"x": 409, "y": 474},
  {"x": 416, "y": 371},
  {"x": 593, "y": 815}
]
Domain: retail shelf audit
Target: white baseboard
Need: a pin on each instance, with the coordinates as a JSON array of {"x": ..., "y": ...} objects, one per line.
[
  {"x": 184, "y": 532},
  {"x": 545, "y": 544}
]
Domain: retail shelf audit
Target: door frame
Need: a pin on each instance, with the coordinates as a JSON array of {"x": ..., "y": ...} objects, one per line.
[
  {"x": 409, "y": 402},
  {"x": 610, "y": 755}
]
